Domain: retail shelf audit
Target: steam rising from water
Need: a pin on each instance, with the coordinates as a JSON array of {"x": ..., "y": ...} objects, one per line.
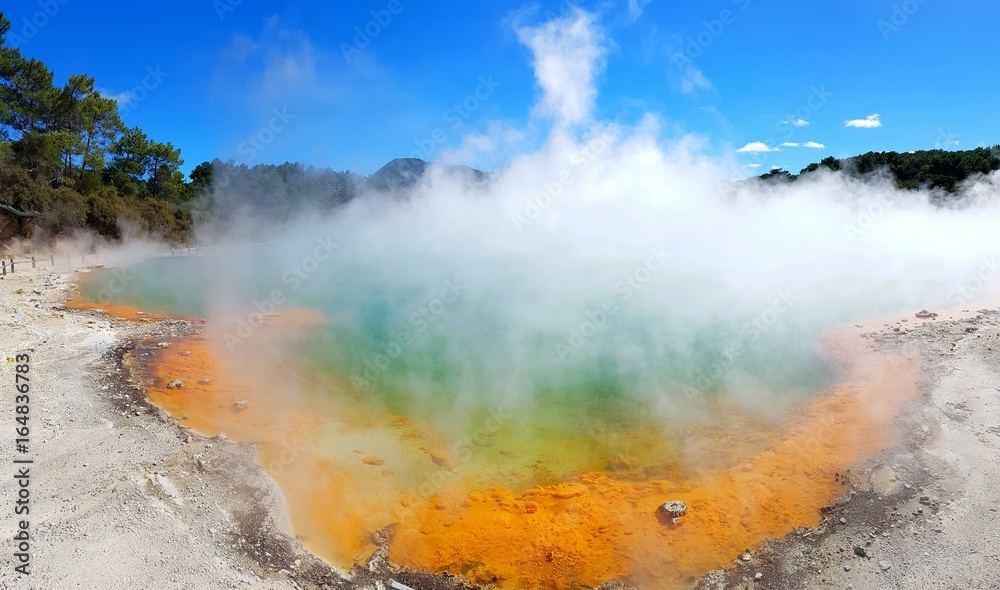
[
  {"x": 613, "y": 266},
  {"x": 612, "y": 274}
]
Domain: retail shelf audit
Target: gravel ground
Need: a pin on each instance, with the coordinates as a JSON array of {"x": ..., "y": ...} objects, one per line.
[
  {"x": 925, "y": 513},
  {"x": 121, "y": 496}
]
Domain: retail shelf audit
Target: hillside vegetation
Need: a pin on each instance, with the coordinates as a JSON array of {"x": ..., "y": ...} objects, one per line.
[{"x": 935, "y": 169}]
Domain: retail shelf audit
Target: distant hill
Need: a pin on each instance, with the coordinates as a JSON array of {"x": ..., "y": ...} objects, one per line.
[
  {"x": 278, "y": 192},
  {"x": 404, "y": 173},
  {"x": 936, "y": 169}
]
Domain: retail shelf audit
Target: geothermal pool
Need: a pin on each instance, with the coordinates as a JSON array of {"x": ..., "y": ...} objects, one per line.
[{"x": 517, "y": 432}]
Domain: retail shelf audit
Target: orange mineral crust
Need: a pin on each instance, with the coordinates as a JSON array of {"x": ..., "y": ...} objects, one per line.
[
  {"x": 597, "y": 528},
  {"x": 349, "y": 469},
  {"x": 124, "y": 312}
]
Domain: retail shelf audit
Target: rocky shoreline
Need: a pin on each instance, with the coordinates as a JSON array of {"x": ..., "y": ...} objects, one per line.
[{"x": 126, "y": 495}]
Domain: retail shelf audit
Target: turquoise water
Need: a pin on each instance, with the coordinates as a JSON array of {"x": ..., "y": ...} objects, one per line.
[{"x": 500, "y": 342}]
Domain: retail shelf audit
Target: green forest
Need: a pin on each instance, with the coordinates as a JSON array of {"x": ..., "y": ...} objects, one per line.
[
  {"x": 935, "y": 169},
  {"x": 64, "y": 152}
]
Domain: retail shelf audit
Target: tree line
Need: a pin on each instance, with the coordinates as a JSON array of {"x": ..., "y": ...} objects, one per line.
[
  {"x": 65, "y": 153},
  {"x": 934, "y": 169}
]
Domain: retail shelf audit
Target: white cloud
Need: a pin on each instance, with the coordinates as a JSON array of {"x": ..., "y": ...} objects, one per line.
[
  {"x": 122, "y": 98},
  {"x": 752, "y": 166},
  {"x": 569, "y": 54},
  {"x": 795, "y": 122},
  {"x": 282, "y": 66},
  {"x": 869, "y": 122},
  {"x": 635, "y": 8},
  {"x": 808, "y": 144},
  {"x": 756, "y": 147}
]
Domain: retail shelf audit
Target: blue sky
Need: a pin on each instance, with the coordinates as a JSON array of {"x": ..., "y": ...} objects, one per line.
[{"x": 279, "y": 81}]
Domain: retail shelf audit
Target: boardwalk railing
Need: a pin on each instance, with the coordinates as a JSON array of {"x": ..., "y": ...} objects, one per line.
[{"x": 10, "y": 263}]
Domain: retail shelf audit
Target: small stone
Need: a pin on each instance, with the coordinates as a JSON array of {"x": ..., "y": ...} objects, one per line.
[
  {"x": 186, "y": 353},
  {"x": 162, "y": 344},
  {"x": 205, "y": 380},
  {"x": 674, "y": 509},
  {"x": 885, "y": 565},
  {"x": 176, "y": 384},
  {"x": 847, "y": 567},
  {"x": 843, "y": 520},
  {"x": 745, "y": 557},
  {"x": 241, "y": 405},
  {"x": 758, "y": 576},
  {"x": 860, "y": 551}
]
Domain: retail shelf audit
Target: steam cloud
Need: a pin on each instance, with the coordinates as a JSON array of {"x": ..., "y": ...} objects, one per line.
[
  {"x": 613, "y": 257},
  {"x": 613, "y": 267}
]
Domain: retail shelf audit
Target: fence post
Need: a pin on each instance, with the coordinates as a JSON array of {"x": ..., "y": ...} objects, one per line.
[
  {"x": 32, "y": 262},
  {"x": 83, "y": 259},
  {"x": 52, "y": 259},
  {"x": 3, "y": 265},
  {"x": 11, "y": 264}
]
